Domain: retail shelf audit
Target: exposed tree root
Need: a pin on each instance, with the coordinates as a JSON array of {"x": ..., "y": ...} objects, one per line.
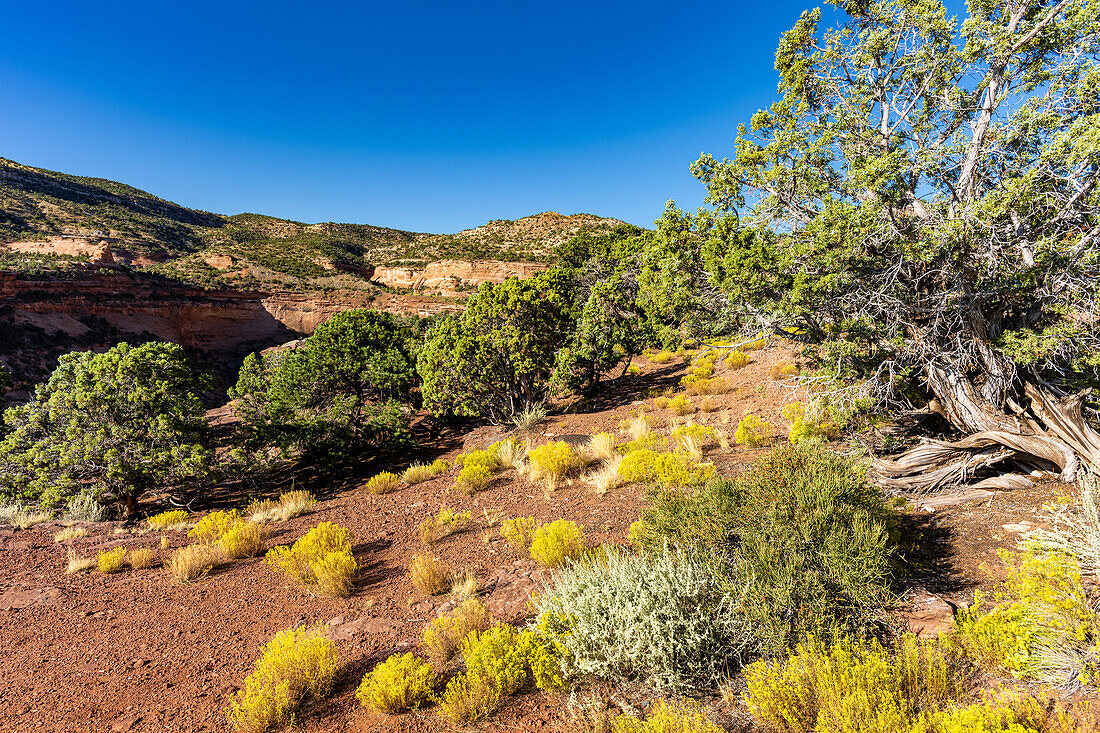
[{"x": 1002, "y": 450}]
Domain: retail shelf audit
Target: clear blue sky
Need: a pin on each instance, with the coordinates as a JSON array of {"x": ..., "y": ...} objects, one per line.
[{"x": 429, "y": 116}]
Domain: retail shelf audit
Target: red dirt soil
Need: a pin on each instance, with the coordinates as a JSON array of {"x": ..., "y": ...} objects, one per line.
[{"x": 136, "y": 651}]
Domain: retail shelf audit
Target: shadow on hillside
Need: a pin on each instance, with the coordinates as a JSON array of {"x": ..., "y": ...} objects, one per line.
[{"x": 626, "y": 389}]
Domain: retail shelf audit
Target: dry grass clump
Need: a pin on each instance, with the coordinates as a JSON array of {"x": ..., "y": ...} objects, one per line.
[
  {"x": 321, "y": 560},
  {"x": 518, "y": 532},
  {"x": 296, "y": 503},
  {"x": 141, "y": 558},
  {"x": 383, "y": 483},
  {"x": 69, "y": 533},
  {"x": 192, "y": 562},
  {"x": 661, "y": 402},
  {"x": 429, "y": 575},
  {"x": 110, "y": 561},
  {"x": 603, "y": 446},
  {"x": 295, "y": 665},
  {"x": 289, "y": 505},
  {"x": 417, "y": 473},
  {"x": 21, "y": 517},
  {"x": 606, "y": 477},
  {"x": 243, "y": 539},
  {"x": 530, "y": 418},
  {"x": 78, "y": 564},
  {"x": 443, "y": 636},
  {"x": 637, "y": 427},
  {"x": 510, "y": 453},
  {"x": 464, "y": 584}
]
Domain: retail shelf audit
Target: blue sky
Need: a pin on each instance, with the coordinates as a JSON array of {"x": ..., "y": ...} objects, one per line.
[{"x": 429, "y": 116}]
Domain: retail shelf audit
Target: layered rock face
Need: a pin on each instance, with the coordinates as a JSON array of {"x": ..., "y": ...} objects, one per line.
[{"x": 450, "y": 277}]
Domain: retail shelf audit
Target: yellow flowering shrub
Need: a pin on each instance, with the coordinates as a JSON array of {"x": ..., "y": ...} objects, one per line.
[
  {"x": 439, "y": 466},
  {"x": 852, "y": 687},
  {"x": 703, "y": 435},
  {"x": 402, "y": 682},
  {"x": 661, "y": 357},
  {"x": 243, "y": 539},
  {"x": 473, "y": 477},
  {"x": 383, "y": 483},
  {"x": 804, "y": 426},
  {"x": 647, "y": 441},
  {"x": 669, "y": 469},
  {"x": 752, "y": 431},
  {"x": 737, "y": 359},
  {"x": 1041, "y": 626},
  {"x": 666, "y": 717},
  {"x": 167, "y": 519},
  {"x": 554, "y": 543},
  {"x": 295, "y": 665},
  {"x": 215, "y": 524},
  {"x": 443, "y": 636},
  {"x": 110, "y": 561},
  {"x": 552, "y": 461},
  {"x": 518, "y": 532},
  {"x": 321, "y": 560},
  {"x": 681, "y": 405}
]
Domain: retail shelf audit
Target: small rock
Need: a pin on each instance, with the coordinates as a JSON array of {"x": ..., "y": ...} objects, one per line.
[{"x": 1019, "y": 527}]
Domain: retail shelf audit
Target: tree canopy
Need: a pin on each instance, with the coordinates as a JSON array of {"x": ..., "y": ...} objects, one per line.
[
  {"x": 114, "y": 425},
  {"x": 341, "y": 389},
  {"x": 924, "y": 193},
  {"x": 497, "y": 358}
]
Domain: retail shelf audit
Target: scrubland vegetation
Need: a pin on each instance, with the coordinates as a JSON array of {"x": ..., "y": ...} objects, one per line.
[{"x": 918, "y": 211}]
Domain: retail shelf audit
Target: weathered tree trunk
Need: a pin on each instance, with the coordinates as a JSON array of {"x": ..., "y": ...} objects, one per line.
[{"x": 1000, "y": 449}]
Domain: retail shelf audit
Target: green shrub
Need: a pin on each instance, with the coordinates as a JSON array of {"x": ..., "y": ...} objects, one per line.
[
  {"x": 804, "y": 531},
  {"x": 660, "y": 618},
  {"x": 400, "y": 683},
  {"x": 554, "y": 543}
]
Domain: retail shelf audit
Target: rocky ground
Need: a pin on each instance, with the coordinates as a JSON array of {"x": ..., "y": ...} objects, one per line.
[{"x": 136, "y": 651}]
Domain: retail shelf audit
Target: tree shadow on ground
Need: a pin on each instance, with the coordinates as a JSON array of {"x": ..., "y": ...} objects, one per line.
[
  {"x": 620, "y": 391},
  {"x": 927, "y": 556}
]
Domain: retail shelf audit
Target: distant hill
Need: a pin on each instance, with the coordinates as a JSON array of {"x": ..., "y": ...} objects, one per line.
[{"x": 150, "y": 233}]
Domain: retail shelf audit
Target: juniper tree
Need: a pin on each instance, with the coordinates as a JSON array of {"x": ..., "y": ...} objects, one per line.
[{"x": 924, "y": 193}]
